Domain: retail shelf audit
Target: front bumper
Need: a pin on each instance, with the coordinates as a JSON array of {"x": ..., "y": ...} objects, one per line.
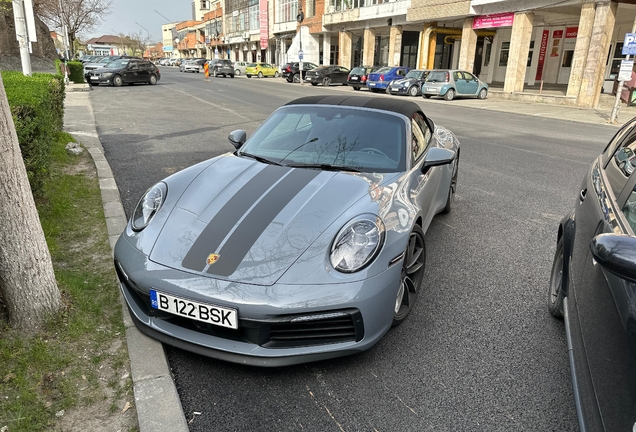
[
  {"x": 399, "y": 90},
  {"x": 363, "y": 309},
  {"x": 98, "y": 79}
]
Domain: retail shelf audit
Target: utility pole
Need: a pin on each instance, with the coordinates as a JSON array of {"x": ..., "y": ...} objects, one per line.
[
  {"x": 300, "y": 18},
  {"x": 22, "y": 36}
]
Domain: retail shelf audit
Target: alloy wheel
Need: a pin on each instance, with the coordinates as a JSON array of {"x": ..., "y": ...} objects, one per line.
[{"x": 412, "y": 274}]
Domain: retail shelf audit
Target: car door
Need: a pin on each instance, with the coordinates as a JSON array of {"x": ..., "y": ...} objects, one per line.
[
  {"x": 472, "y": 84},
  {"x": 604, "y": 304},
  {"x": 423, "y": 185},
  {"x": 131, "y": 73},
  {"x": 341, "y": 75},
  {"x": 144, "y": 71},
  {"x": 460, "y": 82}
]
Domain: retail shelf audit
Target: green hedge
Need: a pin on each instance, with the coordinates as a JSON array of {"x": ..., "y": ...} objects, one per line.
[
  {"x": 37, "y": 107},
  {"x": 76, "y": 71}
]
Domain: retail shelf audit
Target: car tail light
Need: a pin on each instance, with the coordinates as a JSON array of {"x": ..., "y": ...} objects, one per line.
[
  {"x": 382, "y": 77},
  {"x": 363, "y": 78},
  {"x": 447, "y": 77}
]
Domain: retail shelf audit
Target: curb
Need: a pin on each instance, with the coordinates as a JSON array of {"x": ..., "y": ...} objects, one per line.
[{"x": 156, "y": 399}]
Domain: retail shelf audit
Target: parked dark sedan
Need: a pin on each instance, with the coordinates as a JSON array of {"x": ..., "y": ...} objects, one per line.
[
  {"x": 358, "y": 76},
  {"x": 291, "y": 71},
  {"x": 593, "y": 286},
  {"x": 410, "y": 85},
  {"x": 327, "y": 75},
  {"x": 125, "y": 71}
]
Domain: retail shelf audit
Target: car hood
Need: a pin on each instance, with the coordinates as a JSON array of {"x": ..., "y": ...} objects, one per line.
[
  {"x": 406, "y": 81},
  {"x": 94, "y": 65},
  {"x": 241, "y": 220},
  {"x": 111, "y": 70}
]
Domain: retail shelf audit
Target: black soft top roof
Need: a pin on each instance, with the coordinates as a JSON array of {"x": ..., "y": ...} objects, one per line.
[{"x": 400, "y": 106}]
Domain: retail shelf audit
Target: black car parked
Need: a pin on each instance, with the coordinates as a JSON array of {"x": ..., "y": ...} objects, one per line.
[
  {"x": 593, "y": 286},
  {"x": 291, "y": 71},
  {"x": 358, "y": 76},
  {"x": 327, "y": 75},
  {"x": 410, "y": 85},
  {"x": 124, "y": 71}
]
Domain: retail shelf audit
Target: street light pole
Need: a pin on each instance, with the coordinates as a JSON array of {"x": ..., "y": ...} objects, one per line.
[
  {"x": 300, "y": 18},
  {"x": 19, "y": 17}
]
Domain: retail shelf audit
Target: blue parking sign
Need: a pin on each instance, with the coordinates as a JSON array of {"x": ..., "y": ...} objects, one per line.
[{"x": 629, "y": 45}]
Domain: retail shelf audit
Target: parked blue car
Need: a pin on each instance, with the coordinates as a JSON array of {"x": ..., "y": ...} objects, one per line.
[{"x": 380, "y": 79}]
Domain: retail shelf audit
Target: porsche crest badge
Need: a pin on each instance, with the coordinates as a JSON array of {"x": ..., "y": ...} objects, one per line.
[{"x": 212, "y": 258}]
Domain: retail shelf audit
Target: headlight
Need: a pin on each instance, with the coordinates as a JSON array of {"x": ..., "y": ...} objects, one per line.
[
  {"x": 149, "y": 205},
  {"x": 357, "y": 243},
  {"x": 107, "y": 74}
]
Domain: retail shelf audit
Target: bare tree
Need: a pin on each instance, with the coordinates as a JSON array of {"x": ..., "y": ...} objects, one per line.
[
  {"x": 27, "y": 282},
  {"x": 78, "y": 15},
  {"x": 134, "y": 44}
]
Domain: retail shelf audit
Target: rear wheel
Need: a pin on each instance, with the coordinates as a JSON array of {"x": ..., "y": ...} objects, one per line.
[
  {"x": 450, "y": 95},
  {"x": 427, "y": 96},
  {"x": 249, "y": 76},
  {"x": 326, "y": 81},
  {"x": 556, "y": 294},
  {"x": 356, "y": 88},
  {"x": 276, "y": 74},
  {"x": 260, "y": 74},
  {"x": 232, "y": 76},
  {"x": 117, "y": 81},
  {"x": 296, "y": 78},
  {"x": 413, "y": 265},
  {"x": 237, "y": 72},
  {"x": 413, "y": 91},
  {"x": 152, "y": 80},
  {"x": 314, "y": 84}
]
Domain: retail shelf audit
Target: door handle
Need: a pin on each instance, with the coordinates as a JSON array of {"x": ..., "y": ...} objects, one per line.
[{"x": 582, "y": 195}]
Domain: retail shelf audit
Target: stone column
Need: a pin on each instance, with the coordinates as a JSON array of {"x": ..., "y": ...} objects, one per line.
[
  {"x": 594, "y": 70},
  {"x": 326, "y": 48},
  {"x": 344, "y": 49},
  {"x": 395, "y": 45},
  {"x": 368, "y": 47},
  {"x": 586, "y": 23},
  {"x": 468, "y": 47},
  {"x": 422, "y": 49},
  {"x": 432, "y": 45},
  {"x": 519, "y": 48}
]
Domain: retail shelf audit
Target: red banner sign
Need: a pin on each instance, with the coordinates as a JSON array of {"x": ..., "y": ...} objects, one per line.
[
  {"x": 494, "y": 20},
  {"x": 571, "y": 32},
  {"x": 263, "y": 23},
  {"x": 557, "y": 34},
  {"x": 542, "y": 50}
]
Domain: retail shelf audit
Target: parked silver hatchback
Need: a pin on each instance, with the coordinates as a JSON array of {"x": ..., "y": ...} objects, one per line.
[{"x": 450, "y": 84}]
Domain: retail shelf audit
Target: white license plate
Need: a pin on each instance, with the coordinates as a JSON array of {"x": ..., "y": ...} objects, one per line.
[
  {"x": 211, "y": 314},
  {"x": 431, "y": 89},
  {"x": 354, "y": 78},
  {"x": 371, "y": 84},
  {"x": 94, "y": 77}
]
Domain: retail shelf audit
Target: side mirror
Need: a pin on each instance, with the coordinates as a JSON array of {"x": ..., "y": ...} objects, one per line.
[
  {"x": 237, "y": 138},
  {"x": 438, "y": 156},
  {"x": 616, "y": 253}
]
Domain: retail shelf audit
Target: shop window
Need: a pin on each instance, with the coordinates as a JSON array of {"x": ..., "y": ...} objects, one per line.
[
  {"x": 503, "y": 56},
  {"x": 567, "y": 58}
]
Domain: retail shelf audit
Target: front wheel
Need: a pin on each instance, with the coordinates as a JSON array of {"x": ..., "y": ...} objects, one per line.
[
  {"x": 260, "y": 74},
  {"x": 249, "y": 76},
  {"x": 556, "y": 294},
  {"x": 413, "y": 91},
  {"x": 117, "y": 81},
  {"x": 356, "y": 88},
  {"x": 314, "y": 84},
  {"x": 427, "y": 96},
  {"x": 232, "y": 76},
  {"x": 276, "y": 74},
  {"x": 413, "y": 265},
  {"x": 450, "y": 95},
  {"x": 152, "y": 80},
  {"x": 296, "y": 78},
  {"x": 237, "y": 72},
  {"x": 483, "y": 93}
]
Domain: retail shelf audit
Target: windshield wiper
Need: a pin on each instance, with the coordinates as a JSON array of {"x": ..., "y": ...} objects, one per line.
[
  {"x": 325, "y": 167},
  {"x": 260, "y": 159}
]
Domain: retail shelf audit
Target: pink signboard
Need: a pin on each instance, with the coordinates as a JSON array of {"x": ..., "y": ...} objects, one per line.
[
  {"x": 494, "y": 20},
  {"x": 542, "y": 50},
  {"x": 263, "y": 23}
]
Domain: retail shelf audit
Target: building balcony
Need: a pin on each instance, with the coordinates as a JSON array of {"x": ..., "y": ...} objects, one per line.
[{"x": 285, "y": 27}]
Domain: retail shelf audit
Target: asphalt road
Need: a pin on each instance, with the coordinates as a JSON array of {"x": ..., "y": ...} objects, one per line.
[{"x": 478, "y": 353}]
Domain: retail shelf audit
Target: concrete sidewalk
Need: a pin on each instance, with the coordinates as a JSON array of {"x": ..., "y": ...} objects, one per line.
[{"x": 156, "y": 398}]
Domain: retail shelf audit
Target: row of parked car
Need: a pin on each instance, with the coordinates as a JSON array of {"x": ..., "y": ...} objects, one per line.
[{"x": 400, "y": 80}]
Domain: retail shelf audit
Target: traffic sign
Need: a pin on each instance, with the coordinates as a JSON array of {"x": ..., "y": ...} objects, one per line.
[
  {"x": 300, "y": 55},
  {"x": 629, "y": 44},
  {"x": 625, "y": 72}
]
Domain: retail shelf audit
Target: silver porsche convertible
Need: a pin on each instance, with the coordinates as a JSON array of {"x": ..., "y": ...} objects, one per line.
[{"x": 306, "y": 243}]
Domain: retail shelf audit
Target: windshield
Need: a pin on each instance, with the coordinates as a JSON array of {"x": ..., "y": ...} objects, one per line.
[
  {"x": 251, "y": 65},
  {"x": 437, "y": 76},
  {"x": 117, "y": 64},
  {"x": 415, "y": 74},
  {"x": 332, "y": 136},
  {"x": 106, "y": 60}
]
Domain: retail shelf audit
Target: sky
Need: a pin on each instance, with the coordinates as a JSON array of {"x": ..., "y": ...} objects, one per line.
[{"x": 129, "y": 16}]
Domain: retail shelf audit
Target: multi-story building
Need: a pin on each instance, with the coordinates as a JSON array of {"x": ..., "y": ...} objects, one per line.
[{"x": 168, "y": 36}]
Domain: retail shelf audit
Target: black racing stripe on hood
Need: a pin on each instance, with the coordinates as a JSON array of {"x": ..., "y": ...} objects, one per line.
[
  {"x": 263, "y": 213},
  {"x": 222, "y": 223}
]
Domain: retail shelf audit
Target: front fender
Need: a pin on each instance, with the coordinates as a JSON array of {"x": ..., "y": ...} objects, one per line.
[{"x": 567, "y": 229}]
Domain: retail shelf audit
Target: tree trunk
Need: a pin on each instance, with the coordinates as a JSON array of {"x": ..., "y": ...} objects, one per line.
[{"x": 27, "y": 281}]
